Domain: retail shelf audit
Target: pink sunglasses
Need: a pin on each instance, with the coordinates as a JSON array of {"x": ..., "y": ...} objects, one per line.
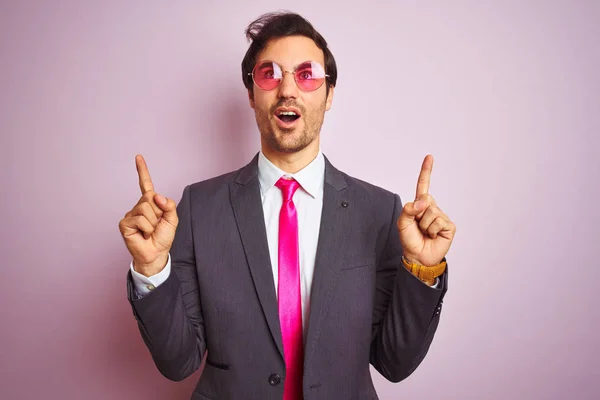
[{"x": 309, "y": 75}]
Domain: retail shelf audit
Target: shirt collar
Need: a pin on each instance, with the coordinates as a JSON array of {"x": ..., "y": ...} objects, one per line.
[{"x": 310, "y": 178}]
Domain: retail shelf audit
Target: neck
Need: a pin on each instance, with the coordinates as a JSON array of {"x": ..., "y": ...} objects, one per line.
[{"x": 292, "y": 162}]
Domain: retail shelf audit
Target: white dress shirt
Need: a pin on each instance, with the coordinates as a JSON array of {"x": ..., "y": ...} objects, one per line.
[{"x": 308, "y": 200}]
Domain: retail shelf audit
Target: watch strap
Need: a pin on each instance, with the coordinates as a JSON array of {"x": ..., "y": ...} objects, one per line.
[{"x": 425, "y": 273}]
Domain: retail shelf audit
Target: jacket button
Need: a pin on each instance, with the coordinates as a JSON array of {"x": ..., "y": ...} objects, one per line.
[{"x": 274, "y": 379}]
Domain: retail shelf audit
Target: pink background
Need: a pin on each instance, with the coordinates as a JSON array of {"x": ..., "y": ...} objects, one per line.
[{"x": 505, "y": 95}]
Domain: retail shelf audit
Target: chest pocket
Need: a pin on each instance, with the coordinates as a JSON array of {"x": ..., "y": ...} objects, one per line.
[{"x": 358, "y": 262}]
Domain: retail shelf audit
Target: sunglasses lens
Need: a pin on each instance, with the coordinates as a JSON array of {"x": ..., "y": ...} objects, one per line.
[
  {"x": 310, "y": 76},
  {"x": 267, "y": 75}
]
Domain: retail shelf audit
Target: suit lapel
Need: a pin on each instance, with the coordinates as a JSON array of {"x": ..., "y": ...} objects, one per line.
[
  {"x": 248, "y": 211},
  {"x": 330, "y": 249}
]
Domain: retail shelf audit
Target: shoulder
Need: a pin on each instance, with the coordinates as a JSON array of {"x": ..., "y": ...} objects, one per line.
[
  {"x": 222, "y": 182},
  {"x": 211, "y": 189},
  {"x": 367, "y": 189},
  {"x": 214, "y": 183},
  {"x": 363, "y": 190},
  {"x": 374, "y": 205},
  {"x": 380, "y": 201}
]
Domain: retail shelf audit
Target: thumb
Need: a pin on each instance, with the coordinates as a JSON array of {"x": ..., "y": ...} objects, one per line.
[
  {"x": 169, "y": 208},
  {"x": 410, "y": 212}
]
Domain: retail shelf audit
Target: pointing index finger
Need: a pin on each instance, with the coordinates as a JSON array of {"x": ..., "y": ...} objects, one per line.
[
  {"x": 425, "y": 176},
  {"x": 143, "y": 174}
]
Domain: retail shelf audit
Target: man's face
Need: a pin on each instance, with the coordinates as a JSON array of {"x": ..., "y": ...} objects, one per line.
[{"x": 277, "y": 131}]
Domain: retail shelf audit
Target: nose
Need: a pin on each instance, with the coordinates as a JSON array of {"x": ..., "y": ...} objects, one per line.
[{"x": 287, "y": 87}]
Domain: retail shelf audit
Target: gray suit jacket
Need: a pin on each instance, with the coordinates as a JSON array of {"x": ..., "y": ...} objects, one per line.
[{"x": 365, "y": 308}]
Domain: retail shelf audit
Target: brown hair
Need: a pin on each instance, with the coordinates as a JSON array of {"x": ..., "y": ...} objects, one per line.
[{"x": 280, "y": 24}]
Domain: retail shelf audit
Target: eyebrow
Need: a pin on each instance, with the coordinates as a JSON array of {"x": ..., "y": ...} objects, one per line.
[{"x": 293, "y": 68}]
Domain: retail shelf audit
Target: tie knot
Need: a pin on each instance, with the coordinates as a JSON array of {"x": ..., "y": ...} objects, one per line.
[{"x": 288, "y": 187}]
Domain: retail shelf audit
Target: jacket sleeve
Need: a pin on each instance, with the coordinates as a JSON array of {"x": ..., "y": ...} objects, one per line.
[
  {"x": 406, "y": 311},
  {"x": 170, "y": 316}
]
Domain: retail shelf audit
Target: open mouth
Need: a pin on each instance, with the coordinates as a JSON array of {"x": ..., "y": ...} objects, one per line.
[{"x": 287, "y": 117}]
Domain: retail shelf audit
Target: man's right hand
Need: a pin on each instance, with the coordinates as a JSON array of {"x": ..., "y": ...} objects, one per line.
[{"x": 149, "y": 228}]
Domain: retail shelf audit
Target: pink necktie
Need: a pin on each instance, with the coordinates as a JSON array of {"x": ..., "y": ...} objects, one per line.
[{"x": 288, "y": 289}]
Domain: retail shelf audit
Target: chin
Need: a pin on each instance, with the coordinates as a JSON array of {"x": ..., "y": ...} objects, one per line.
[
  {"x": 291, "y": 150},
  {"x": 287, "y": 147},
  {"x": 286, "y": 142}
]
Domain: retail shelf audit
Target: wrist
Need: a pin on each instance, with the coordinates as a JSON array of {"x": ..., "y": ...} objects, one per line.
[
  {"x": 415, "y": 260},
  {"x": 153, "y": 268},
  {"x": 412, "y": 260},
  {"x": 426, "y": 274}
]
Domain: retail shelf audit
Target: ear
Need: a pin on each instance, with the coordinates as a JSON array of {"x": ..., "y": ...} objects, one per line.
[
  {"x": 251, "y": 98},
  {"x": 329, "y": 98}
]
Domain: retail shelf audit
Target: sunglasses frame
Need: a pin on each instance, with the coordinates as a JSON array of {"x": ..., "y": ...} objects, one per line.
[{"x": 283, "y": 72}]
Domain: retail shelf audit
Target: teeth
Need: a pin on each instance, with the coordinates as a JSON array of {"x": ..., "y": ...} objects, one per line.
[{"x": 287, "y": 113}]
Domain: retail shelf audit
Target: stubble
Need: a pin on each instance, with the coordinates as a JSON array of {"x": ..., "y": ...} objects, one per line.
[{"x": 289, "y": 140}]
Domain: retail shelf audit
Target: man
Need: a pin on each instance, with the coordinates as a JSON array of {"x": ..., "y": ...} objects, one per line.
[{"x": 290, "y": 274}]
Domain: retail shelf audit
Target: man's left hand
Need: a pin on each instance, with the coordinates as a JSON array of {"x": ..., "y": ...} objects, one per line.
[{"x": 426, "y": 233}]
